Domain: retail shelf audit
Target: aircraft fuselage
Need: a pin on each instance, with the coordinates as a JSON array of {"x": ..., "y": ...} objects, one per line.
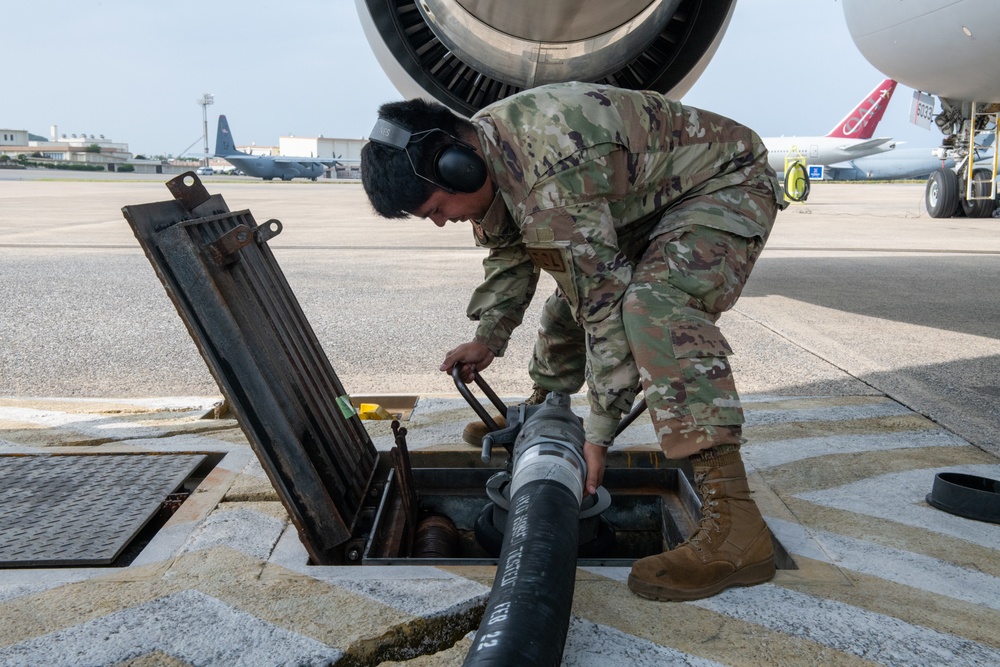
[
  {"x": 945, "y": 47},
  {"x": 821, "y": 150},
  {"x": 269, "y": 167}
]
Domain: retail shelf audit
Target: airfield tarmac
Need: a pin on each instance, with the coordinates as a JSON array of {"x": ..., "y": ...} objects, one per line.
[
  {"x": 867, "y": 356},
  {"x": 858, "y": 290}
]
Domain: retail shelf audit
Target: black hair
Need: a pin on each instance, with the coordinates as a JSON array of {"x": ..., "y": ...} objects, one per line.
[{"x": 387, "y": 175}]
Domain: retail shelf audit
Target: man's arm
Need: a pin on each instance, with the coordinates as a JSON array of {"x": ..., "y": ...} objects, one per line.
[{"x": 498, "y": 304}]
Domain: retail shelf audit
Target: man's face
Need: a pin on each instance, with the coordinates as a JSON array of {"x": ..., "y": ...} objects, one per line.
[{"x": 443, "y": 207}]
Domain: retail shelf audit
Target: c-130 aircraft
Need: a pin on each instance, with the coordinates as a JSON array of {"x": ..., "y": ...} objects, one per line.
[{"x": 270, "y": 167}]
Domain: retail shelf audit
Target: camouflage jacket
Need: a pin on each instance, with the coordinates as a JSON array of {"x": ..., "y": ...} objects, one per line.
[{"x": 583, "y": 174}]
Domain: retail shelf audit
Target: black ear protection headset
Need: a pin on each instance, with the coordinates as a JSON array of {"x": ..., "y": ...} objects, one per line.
[{"x": 456, "y": 168}]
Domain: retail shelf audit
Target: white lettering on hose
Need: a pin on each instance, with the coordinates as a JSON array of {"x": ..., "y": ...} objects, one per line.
[
  {"x": 488, "y": 640},
  {"x": 512, "y": 567},
  {"x": 519, "y": 528},
  {"x": 522, "y": 503},
  {"x": 499, "y": 613}
]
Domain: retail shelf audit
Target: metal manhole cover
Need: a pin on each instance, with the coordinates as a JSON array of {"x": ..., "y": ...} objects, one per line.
[{"x": 82, "y": 510}]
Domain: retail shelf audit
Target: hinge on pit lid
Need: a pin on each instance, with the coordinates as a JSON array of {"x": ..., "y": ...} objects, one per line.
[
  {"x": 267, "y": 231},
  {"x": 190, "y": 193},
  {"x": 226, "y": 245},
  {"x": 241, "y": 236},
  {"x": 188, "y": 190}
]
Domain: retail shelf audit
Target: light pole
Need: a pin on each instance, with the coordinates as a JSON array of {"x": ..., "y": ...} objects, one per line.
[{"x": 205, "y": 100}]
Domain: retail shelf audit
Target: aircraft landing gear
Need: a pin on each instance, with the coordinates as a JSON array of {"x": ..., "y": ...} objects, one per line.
[
  {"x": 941, "y": 194},
  {"x": 978, "y": 208},
  {"x": 945, "y": 195}
]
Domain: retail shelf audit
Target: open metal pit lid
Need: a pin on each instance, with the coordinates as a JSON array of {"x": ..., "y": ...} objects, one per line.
[{"x": 227, "y": 287}]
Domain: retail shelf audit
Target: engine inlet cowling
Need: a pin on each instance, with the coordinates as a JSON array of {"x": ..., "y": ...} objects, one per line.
[{"x": 468, "y": 54}]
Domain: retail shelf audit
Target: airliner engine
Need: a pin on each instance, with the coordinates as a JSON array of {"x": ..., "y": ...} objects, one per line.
[{"x": 470, "y": 53}]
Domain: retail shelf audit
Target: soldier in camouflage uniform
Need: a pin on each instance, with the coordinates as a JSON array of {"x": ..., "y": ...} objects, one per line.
[{"x": 649, "y": 215}]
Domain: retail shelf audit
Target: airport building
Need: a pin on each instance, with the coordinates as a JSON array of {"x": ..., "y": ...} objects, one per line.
[
  {"x": 326, "y": 148},
  {"x": 79, "y": 148},
  {"x": 13, "y": 138},
  {"x": 100, "y": 151},
  {"x": 254, "y": 149}
]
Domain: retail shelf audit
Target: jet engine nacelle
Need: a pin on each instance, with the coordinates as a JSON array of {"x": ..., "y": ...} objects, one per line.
[{"x": 468, "y": 54}]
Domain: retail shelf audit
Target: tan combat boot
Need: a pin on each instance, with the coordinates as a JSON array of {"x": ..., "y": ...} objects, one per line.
[
  {"x": 473, "y": 432},
  {"x": 731, "y": 547}
]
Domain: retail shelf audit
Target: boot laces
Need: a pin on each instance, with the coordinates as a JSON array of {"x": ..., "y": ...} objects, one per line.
[{"x": 708, "y": 523}]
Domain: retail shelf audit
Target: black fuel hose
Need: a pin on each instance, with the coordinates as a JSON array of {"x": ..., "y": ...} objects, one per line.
[{"x": 527, "y": 615}]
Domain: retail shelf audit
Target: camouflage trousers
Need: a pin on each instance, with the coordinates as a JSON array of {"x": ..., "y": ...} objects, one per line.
[
  {"x": 685, "y": 279},
  {"x": 559, "y": 359}
]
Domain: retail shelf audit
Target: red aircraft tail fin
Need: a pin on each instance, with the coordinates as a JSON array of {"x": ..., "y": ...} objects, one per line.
[{"x": 861, "y": 122}]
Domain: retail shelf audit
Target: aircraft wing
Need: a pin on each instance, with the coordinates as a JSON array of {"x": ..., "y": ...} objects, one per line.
[
  {"x": 864, "y": 146},
  {"x": 303, "y": 161}
]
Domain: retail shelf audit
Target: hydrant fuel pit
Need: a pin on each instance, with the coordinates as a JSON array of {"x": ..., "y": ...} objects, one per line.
[
  {"x": 342, "y": 494},
  {"x": 651, "y": 509}
]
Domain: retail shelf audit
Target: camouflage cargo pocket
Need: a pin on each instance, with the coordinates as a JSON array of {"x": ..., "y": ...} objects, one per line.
[{"x": 702, "y": 355}]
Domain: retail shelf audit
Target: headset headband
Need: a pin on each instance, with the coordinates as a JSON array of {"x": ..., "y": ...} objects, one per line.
[{"x": 390, "y": 134}]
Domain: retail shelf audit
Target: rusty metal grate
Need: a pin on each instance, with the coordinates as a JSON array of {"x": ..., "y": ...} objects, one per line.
[
  {"x": 83, "y": 510},
  {"x": 227, "y": 287}
]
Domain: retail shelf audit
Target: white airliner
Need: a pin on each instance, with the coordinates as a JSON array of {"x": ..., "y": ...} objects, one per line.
[{"x": 850, "y": 139}]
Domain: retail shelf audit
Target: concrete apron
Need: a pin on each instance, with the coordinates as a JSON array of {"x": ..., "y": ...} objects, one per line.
[{"x": 883, "y": 577}]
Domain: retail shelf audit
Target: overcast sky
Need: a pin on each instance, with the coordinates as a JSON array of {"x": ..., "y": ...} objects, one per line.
[{"x": 133, "y": 71}]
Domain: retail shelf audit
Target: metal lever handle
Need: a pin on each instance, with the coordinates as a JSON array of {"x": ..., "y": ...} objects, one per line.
[
  {"x": 463, "y": 389},
  {"x": 627, "y": 420},
  {"x": 487, "y": 455}
]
